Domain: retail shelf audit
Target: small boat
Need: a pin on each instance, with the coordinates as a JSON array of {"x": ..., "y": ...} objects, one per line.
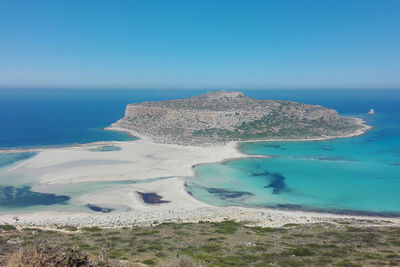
[{"x": 371, "y": 111}]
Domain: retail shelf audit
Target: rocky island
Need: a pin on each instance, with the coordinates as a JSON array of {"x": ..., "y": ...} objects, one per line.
[{"x": 223, "y": 116}]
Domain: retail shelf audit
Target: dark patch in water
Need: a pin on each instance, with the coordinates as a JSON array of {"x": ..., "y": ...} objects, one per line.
[
  {"x": 276, "y": 181},
  {"x": 337, "y": 211},
  {"x": 186, "y": 186},
  {"x": 266, "y": 173},
  {"x": 225, "y": 194},
  {"x": 393, "y": 150},
  {"x": 105, "y": 148},
  {"x": 275, "y": 146},
  {"x": 394, "y": 163},
  {"x": 290, "y": 206},
  {"x": 11, "y": 196},
  {"x": 99, "y": 209},
  {"x": 152, "y": 198},
  {"x": 327, "y": 158}
]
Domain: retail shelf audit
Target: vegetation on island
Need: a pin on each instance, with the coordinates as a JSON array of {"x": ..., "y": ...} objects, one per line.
[
  {"x": 269, "y": 127},
  {"x": 204, "y": 244},
  {"x": 218, "y": 117}
]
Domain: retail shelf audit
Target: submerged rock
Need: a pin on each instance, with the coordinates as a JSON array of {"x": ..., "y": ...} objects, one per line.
[{"x": 152, "y": 198}]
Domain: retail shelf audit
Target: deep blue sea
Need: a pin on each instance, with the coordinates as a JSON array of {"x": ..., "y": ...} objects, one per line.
[
  {"x": 354, "y": 175},
  {"x": 61, "y": 117}
]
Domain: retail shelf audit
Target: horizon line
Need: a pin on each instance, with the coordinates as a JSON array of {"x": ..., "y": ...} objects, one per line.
[{"x": 209, "y": 89}]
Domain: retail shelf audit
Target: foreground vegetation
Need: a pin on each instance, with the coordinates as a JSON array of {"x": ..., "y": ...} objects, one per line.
[{"x": 203, "y": 244}]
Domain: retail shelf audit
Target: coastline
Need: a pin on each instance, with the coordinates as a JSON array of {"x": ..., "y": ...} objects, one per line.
[
  {"x": 18, "y": 149},
  {"x": 356, "y": 133},
  {"x": 250, "y": 216},
  {"x": 358, "y": 121},
  {"x": 130, "y": 208}
]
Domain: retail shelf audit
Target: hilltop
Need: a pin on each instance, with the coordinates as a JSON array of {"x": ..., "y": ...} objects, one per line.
[{"x": 222, "y": 116}]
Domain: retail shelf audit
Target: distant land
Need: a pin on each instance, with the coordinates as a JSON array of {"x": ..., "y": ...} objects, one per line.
[{"x": 223, "y": 116}]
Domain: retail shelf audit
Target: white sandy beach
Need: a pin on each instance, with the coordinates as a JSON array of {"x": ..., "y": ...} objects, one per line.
[
  {"x": 141, "y": 160},
  {"x": 137, "y": 160}
]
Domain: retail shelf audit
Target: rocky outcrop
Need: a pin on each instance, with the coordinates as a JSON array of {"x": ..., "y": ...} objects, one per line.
[{"x": 225, "y": 116}]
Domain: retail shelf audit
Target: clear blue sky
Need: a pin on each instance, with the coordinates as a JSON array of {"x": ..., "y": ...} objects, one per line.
[{"x": 200, "y": 44}]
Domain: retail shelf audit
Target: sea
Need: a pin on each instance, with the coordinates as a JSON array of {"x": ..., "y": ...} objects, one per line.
[{"x": 359, "y": 175}]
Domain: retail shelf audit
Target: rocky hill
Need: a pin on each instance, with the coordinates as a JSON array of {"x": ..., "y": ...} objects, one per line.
[{"x": 221, "y": 116}]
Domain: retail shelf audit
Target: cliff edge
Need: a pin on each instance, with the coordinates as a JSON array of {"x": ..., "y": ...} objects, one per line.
[{"x": 222, "y": 116}]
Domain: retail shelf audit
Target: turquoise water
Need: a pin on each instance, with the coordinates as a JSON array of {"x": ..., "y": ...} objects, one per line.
[
  {"x": 105, "y": 149},
  {"x": 353, "y": 175},
  {"x": 7, "y": 159},
  {"x": 21, "y": 196}
]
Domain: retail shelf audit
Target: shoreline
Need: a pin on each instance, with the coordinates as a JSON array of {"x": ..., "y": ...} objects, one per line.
[
  {"x": 360, "y": 122},
  {"x": 358, "y": 132},
  {"x": 18, "y": 149},
  {"x": 265, "y": 217},
  {"x": 132, "y": 133},
  {"x": 182, "y": 207}
]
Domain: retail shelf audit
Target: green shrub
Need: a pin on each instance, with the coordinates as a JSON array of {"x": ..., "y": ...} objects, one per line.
[
  {"x": 183, "y": 261},
  {"x": 71, "y": 229},
  {"x": 91, "y": 229},
  {"x": 290, "y": 225},
  {"x": 227, "y": 227},
  {"x": 114, "y": 254},
  {"x": 149, "y": 262},
  {"x": 299, "y": 251},
  {"x": 261, "y": 230},
  {"x": 347, "y": 263},
  {"x": 8, "y": 227},
  {"x": 211, "y": 248}
]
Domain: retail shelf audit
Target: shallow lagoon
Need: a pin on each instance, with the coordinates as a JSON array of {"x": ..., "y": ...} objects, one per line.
[
  {"x": 354, "y": 175},
  {"x": 7, "y": 159},
  {"x": 20, "y": 191},
  {"x": 346, "y": 175}
]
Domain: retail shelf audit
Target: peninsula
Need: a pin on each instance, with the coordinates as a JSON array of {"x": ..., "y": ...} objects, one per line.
[{"x": 224, "y": 116}]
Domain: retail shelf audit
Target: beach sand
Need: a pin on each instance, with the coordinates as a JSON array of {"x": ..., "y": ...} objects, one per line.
[{"x": 137, "y": 160}]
